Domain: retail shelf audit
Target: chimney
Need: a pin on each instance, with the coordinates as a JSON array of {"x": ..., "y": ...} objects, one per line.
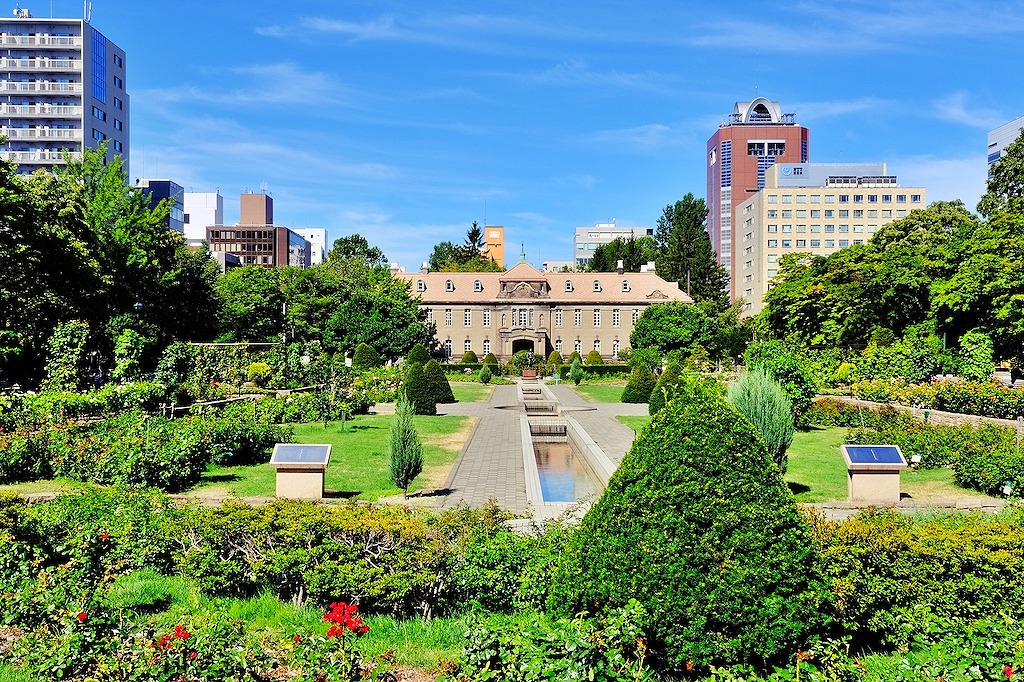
[
  {"x": 425, "y": 267},
  {"x": 618, "y": 267}
]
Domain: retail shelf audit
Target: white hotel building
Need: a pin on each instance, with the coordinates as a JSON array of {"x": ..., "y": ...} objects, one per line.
[{"x": 62, "y": 87}]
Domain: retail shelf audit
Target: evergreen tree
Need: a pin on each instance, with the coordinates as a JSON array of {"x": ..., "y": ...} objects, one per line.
[
  {"x": 686, "y": 255},
  {"x": 665, "y": 388},
  {"x": 640, "y": 386},
  {"x": 417, "y": 392},
  {"x": 418, "y": 355},
  {"x": 761, "y": 400},
  {"x": 365, "y": 357},
  {"x": 437, "y": 383},
  {"x": 406, "y": 451},
  {"x": 594, "y": 358}
]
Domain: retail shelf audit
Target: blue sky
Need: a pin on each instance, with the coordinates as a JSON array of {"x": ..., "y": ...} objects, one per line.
[{"x": 407, "y": 121}]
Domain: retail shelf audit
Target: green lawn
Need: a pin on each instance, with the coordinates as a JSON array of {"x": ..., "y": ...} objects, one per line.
[
  {"x": 359, "y": 459},
  {"x": 635, "y": 423},
  {"x": 466, "y": 392},
  {"x": 601, "y": 393}
]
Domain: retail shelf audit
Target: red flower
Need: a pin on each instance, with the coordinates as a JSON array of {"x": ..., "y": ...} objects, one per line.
[
  {"x": 164, "y": 642},
  {"x": 104, "y": 536},
  {"x": 335, "y": 631},
  {"x": 181, "y": 633},
  {"x": 192, "y": 656},
  {"x": 1008, "y": 671},
  {"x": 296, "y": 639},
  {"x": 82, "y": 616}
]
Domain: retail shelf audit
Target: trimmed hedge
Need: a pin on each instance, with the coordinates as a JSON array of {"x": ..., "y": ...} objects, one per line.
[
  {"x": 437, "y": 384},
  {"x": 641, "y": 385},
  {"x": 699, "y": 527}
]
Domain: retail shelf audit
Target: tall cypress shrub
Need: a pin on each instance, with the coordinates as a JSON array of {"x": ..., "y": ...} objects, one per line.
[
  {"x": 761, "y": 400},
  {"x": 700, "y": 528},
  {"x": 417, "y": 392},
  {"x": 406, "y": 451},
  {"x": 665, "y": 387},
  {"x": 365, "y": 357},
  {"x": 640, "y": 386},
  {"x": 417, "y": 355}
]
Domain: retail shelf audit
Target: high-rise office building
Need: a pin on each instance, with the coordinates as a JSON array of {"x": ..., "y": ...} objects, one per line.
[
  {"x": 62, "y": 87},
  {"x": 317, "y": 238},
  {"x": 752, "y": 139},
  {"x": 255, "y": 240},
  {"x": 1001, "y": 137}
]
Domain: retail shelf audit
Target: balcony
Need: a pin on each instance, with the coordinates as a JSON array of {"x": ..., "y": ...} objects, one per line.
[
  {"x": 41, "y": 64},
  {"x": 59, "y": 134},
  {"x": 39, "y": 111},
  {"x": 9, "y": 40},
  {"x": 38, "y": 156},
  {"x": 39, "y": 86}
]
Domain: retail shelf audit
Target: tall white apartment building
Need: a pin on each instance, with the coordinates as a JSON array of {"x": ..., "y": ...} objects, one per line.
[
  {"x": 813, "y": 209},
  {"x": 62, "y": 87}
]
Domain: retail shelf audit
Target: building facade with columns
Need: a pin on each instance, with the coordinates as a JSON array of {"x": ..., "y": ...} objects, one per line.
[{"x": 526, "y": 309}]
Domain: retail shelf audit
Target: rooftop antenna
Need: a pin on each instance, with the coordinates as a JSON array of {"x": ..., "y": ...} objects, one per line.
[
  {"x": 757, "y": 75},
  {"x": 485, "y": 212},
  {"x": 86, "y": 10}
]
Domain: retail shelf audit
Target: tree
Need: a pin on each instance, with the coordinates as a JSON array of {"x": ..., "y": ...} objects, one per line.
[
  {"x": 632, "y": 251},
  {"x": 782, "y": 365},
  {"x": 762, "y": 401},
  {"x": 406, "y": 451},
  {"x": 443, "y": 253},
  {"x": 447, "y": 257},
  {"x": 640, "y": 385},
  {"x": 417, "y": 392},
  {"x": 66, "y": 361},
  {"x": 576, "y": 370},
  {"x": 382, "y": 313},
  {"x": 418, "y": 354},
  {"x": 976, "y": 356},
  {"x": 356, "y": 247},
  {"x": 665, "y": 387},
  {"x": 673, "y": 326},
  {"x": 437, "y": 383},
  {"x": 1005, "y": 190},
  {"x": 251, "y": 305},
  {"x": 594, "y": 358},
  {"x": 699, "y": 527},
  {"x": 469, "y": 357},
  {"x": 686, "y": 255},
  {"x": 474, "y": 243},
  {"x": 128, "y": 351},
  {"x": 365, "y": 357}
]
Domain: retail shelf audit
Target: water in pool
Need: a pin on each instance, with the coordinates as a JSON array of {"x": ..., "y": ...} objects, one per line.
[{"x": 563, "y": 477}]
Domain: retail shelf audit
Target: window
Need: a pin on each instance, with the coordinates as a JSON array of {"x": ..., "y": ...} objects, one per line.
[
  {"x": 97, "y": 135},
  {"x": 578, "y": 317},
  {"x": 636, "y": 315},
  {"x": 558, "y": 346},
  {"x": 467, "y": 317},
  {"x": 430, "y": 315},
  {"x": 118, "y": 125},
  {"x": 523, "y": 317},
  {"x": 449, "y": 285},
  {"x": 773, "y": 258},
  {"x": 99, "y": 113},
  {"x": 844, "y": 243},
  {"x": 787, "y": 214},
  {"x": 915, "y": 198},
  {"x": 773, "y": 243},
  {"x": 801, "y": 214},
  {"x": 801, "y": 198},
  {"x": 815, "y": 198},
  {"x": 887, "y": 213},
  {"x": 873, "y": 213},
  {"x": 872, "y": 198},
  {"x": 478, "y": 285},
  {"x": 118, "y": 147},
  {"x": 858, "y": 228},
  {"x": 773, "y": 228},
  {"x": 815, "y": 243},
  {"x": 901, "y": 198},
  {"x": 749, "y": 264},
  {"x": 487, "y": 318},
  {"x": 597, "y": 317},
  {"x": 830, "y": 244},
  {"x": 787, "y": 228},
  {"x": 830, "y": 228},
  {"x": 448, "y": 348},
  {"x": 844, "y": 228},
  {"x": 844, "y": 198},
  {"x": 625, "y": 285},
  {"x": 815, "y": 228},
  {"x": 787, "y": 243},
  {"x": 558, "y": 317},
  {"x": 597, "y": 285},
  {"x": 578, "y": 346},
  {"x": 801, "y": 243},
  {"x": 615, "y": 317},
  {"x": 597, "y": 345},
  {"x": 118, "y": 104},
  {"x": 830, "y": 213},
  {"x": 118, "y": 61},
  {"x": 487, "y": 346},
  {"x": 773, "y": 213},
  {"x": 118, "y": 83},
  {"x": 748, "y": 236},
  {"x": 844, "y": 213},
  {"x": 467, "y": 346},
  {"x": 615, "y": 347},
  {"x": 421, "y": 285},
  {"x": 858, "y": 242},
  {"x": 568, "y": 285},
  {"x": 830, "y": 198},
  {"x": 858, "y": 198},
  {"x": 773, "y": 198},
  {"x": 447, "y": 317},
  {"x": 787, "y": 198},
  {"x": 801, "y": 228},
  {"x": 748, "y": 278},
  {"x": 887, "y": 198}
]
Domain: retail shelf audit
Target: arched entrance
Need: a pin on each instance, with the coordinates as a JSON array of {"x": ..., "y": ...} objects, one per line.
[{"x": 522, "y": 344}]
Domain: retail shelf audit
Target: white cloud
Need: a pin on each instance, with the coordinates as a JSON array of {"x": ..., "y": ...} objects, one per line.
[
  {"x": 646, "y": 137},
  {"x": 955, "y": 108},
  {"x": 809, "y": 111}
]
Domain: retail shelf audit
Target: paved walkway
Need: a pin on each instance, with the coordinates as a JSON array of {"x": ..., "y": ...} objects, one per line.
[{"x": 491, "y": 463}]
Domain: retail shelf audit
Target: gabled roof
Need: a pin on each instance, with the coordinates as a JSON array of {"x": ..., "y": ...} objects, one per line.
[{"x": 525, "y": 282}]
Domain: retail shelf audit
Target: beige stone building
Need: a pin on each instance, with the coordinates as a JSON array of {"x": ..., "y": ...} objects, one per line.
[
  {"x": 815, "y": 209},
  {"x": 526, "y": 309}
]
